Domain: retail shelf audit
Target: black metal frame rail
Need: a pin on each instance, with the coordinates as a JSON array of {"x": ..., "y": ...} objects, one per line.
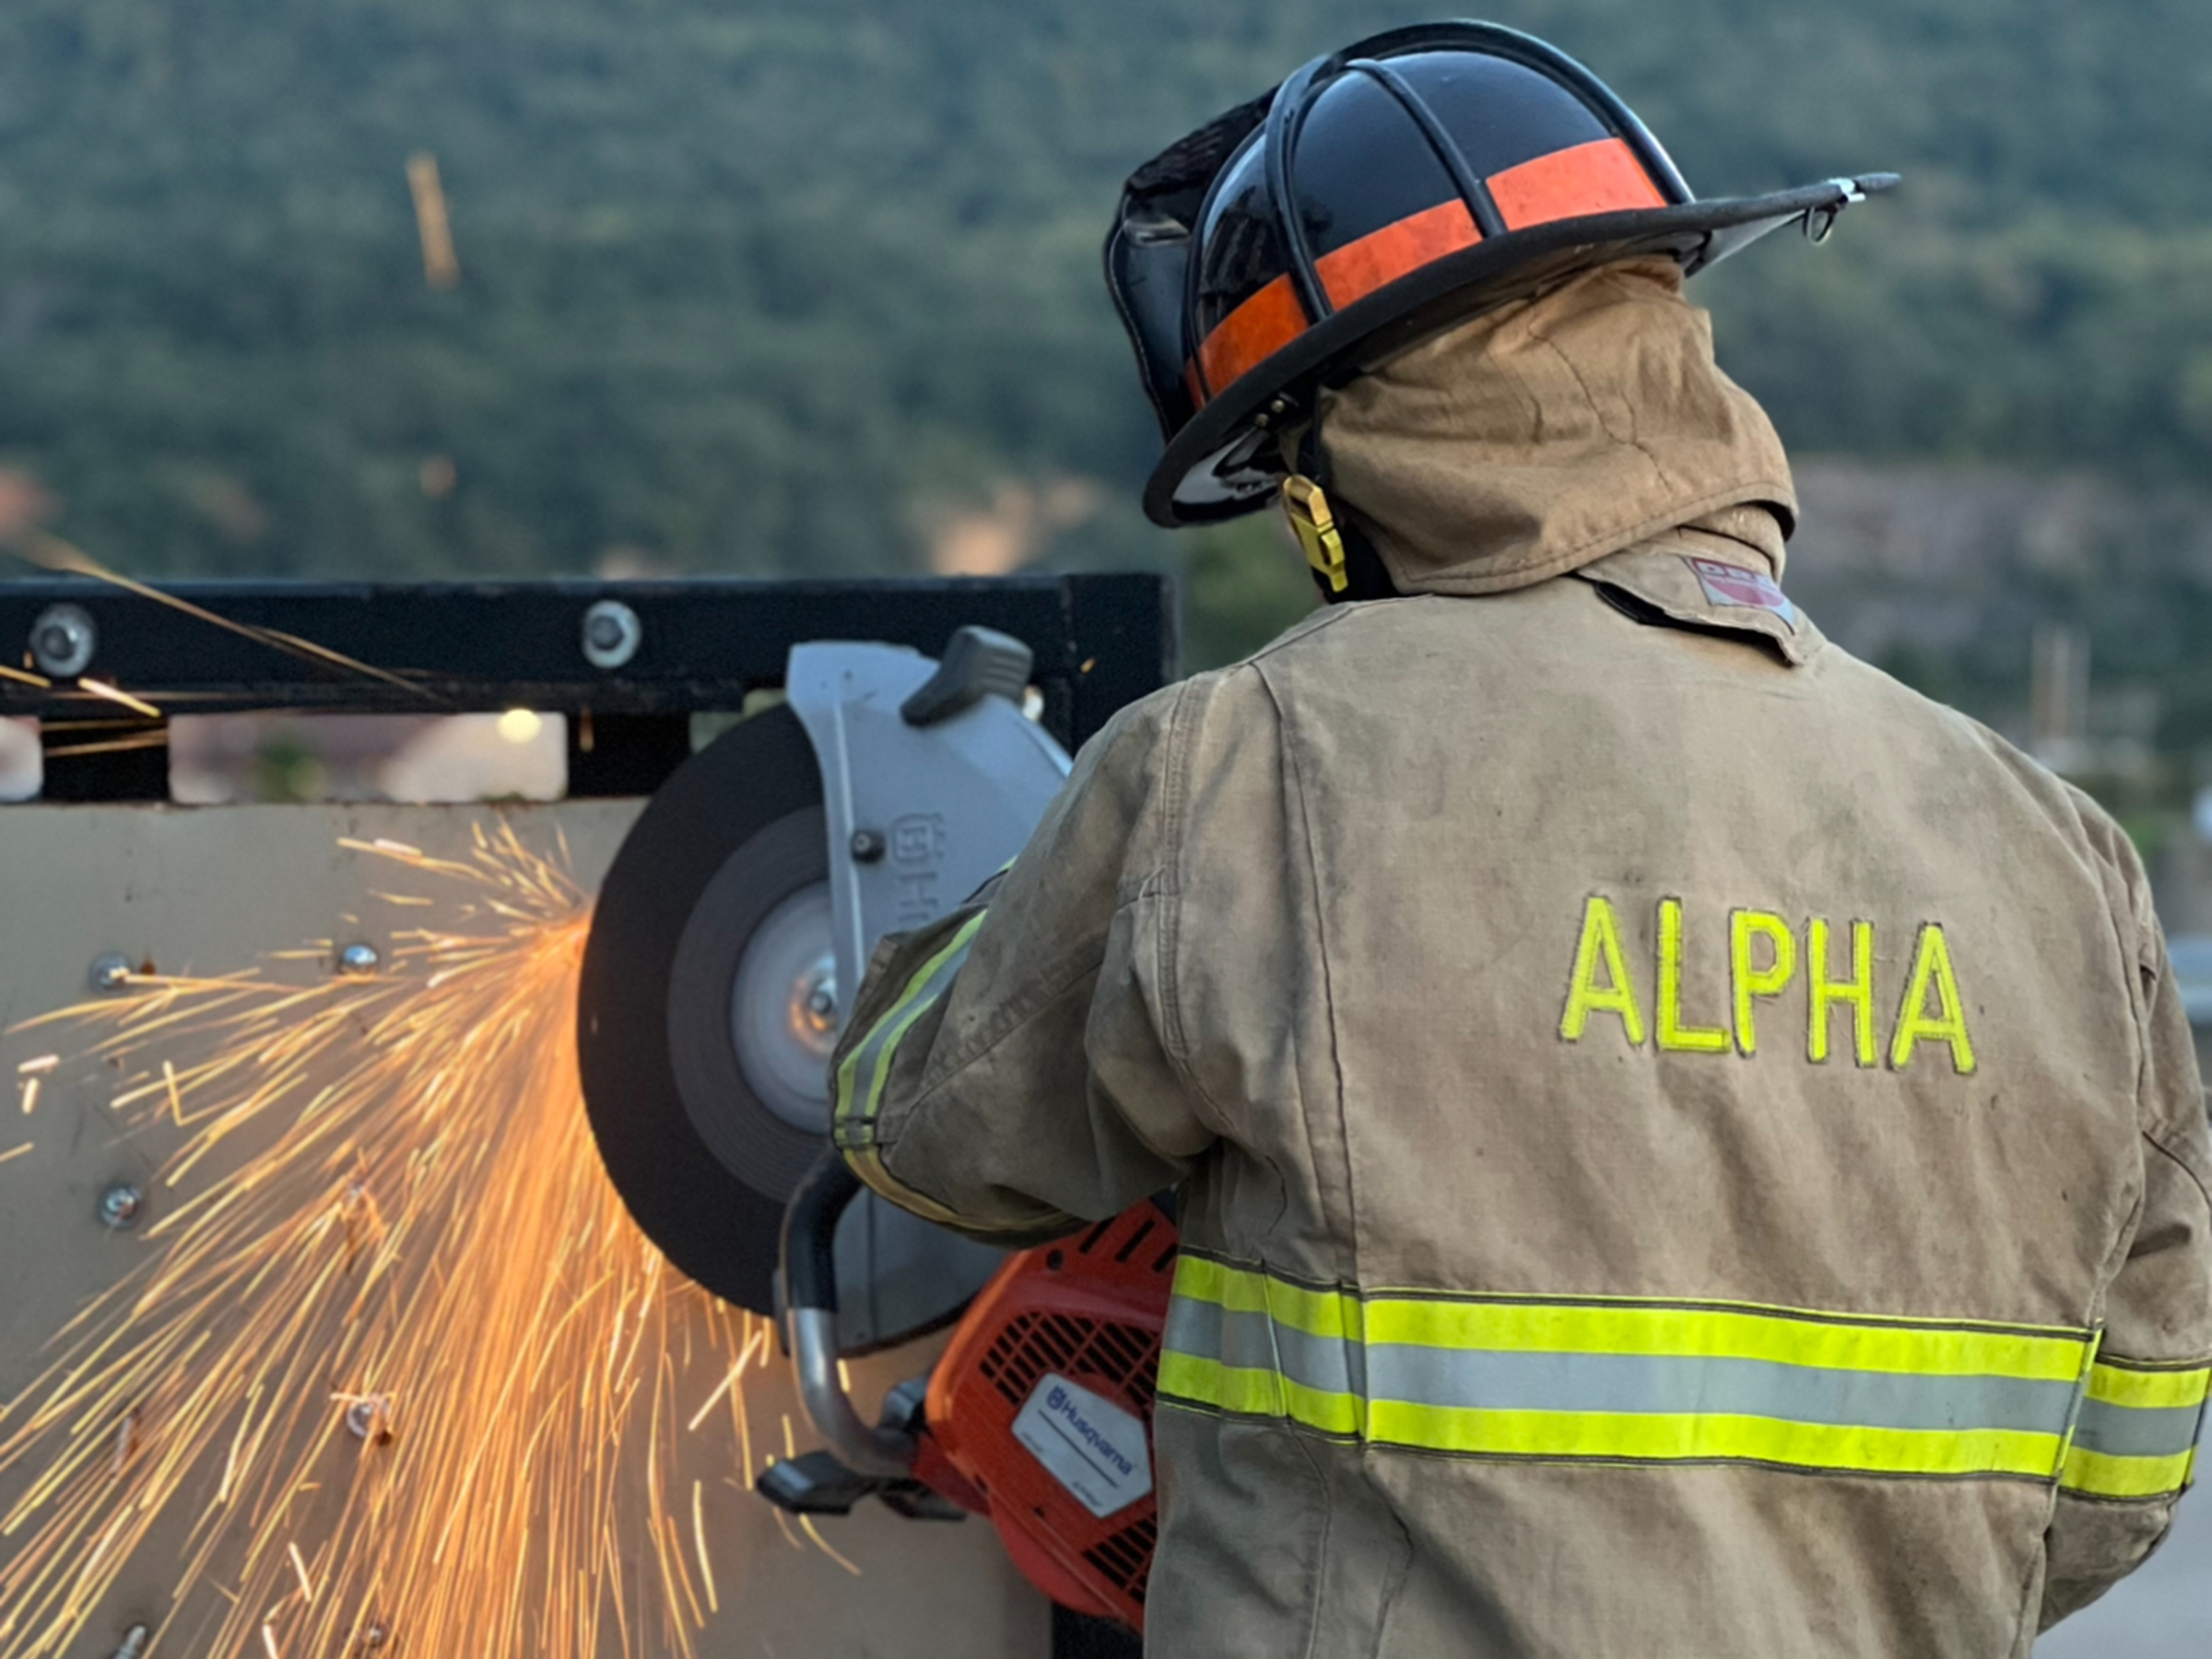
[{"x": 453, "y": 648}]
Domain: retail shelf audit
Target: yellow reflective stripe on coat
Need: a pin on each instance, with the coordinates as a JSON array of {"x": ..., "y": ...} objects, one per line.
[
  {"x": 2138, "y": 1430},
  {"x": 868, "y": 1065},
  {"x": 1640, "y": 1381}
]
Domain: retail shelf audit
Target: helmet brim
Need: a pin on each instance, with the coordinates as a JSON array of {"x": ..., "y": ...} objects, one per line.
[{"x": 1221, "y": 463}]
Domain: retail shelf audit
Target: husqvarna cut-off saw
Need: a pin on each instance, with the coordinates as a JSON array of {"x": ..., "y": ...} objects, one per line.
[{"x": 729, "y": 936}]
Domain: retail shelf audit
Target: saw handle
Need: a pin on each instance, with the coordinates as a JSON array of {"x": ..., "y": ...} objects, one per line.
[
  {"x": 810, "y": 1232},
  {"x": 810, "y": 1306}
]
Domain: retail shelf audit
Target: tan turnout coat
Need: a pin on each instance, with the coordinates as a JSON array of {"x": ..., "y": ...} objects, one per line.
[{"x": 1687, "y": 1147}]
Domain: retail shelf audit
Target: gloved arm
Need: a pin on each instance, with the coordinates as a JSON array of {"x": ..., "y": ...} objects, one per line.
[
  {"x": 1002, "y": 1073},
  {"x": 2134, "y": 1445}
]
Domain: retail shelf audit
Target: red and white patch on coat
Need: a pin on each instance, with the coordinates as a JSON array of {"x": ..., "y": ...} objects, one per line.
[{"x": 1749, "y": 590}]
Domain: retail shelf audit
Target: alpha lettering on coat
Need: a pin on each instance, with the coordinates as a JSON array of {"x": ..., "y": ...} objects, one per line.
[
  {"x": 1599, "y": 953},
  {"x": 1676, "y": 1035},
  {"x": 1855, "y": 992},
  {"x": 1916, "y": 1023},
  {"x": 1747, "y": 929},
  {"x": 1768, "y": 961}
]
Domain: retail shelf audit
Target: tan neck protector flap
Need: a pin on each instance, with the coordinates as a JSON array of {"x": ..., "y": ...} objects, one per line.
[{"x": 1545, "y": 435}]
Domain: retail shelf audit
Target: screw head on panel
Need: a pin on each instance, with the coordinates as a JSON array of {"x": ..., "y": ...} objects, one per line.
[
  {"x": 111, "y": 974},
  {"x": 119, "y": 1206},
  {"x": 370, "y": 1419},
  {"x": 62, "y": 641},
  {"x": 612, "y": 634}
]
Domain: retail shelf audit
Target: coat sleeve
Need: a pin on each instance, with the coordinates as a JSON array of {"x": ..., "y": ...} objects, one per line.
[
  {"x": 2134, "y": 1443},
  {"x": 1002, "y": 1073}
]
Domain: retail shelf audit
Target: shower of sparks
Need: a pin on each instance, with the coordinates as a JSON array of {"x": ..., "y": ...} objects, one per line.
[{"x": 397, "y": 1358}]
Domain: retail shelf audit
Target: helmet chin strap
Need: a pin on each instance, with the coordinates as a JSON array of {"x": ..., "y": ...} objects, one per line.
[{"x": 1343, "y": 561}]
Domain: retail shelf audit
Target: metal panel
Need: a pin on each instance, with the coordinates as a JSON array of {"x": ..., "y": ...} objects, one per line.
[{"x": 212, "y": 889}]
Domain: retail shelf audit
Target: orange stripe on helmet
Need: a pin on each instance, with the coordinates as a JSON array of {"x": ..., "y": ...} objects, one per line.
[
  {"x": 1600, "y": 177},
  {"x": 1251, "y": 334},
  {"x": 1358, "y": 269}
]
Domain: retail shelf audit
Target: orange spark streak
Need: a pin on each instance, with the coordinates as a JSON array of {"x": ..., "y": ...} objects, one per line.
[
  {"x": 137, "y": 705},
  {"x": 699, "y": 1534},
  {"x": 715, "y": 1399},
  {"x": 806, "y": 1523}
]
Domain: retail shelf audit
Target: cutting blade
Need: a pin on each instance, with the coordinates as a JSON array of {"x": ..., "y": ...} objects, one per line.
[{"x": 705, "y": 1001}]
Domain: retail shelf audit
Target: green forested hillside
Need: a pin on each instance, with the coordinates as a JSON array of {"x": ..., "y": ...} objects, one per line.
[{"x": 779, "y": 285}]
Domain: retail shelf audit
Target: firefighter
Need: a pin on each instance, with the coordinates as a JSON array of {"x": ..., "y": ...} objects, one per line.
[{"x": 1686, "y": 1148}]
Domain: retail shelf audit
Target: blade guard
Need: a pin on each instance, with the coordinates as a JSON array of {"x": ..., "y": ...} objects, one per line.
[
  {"x": 925, "y": 806},
  {"x": 932, "y": 779}
]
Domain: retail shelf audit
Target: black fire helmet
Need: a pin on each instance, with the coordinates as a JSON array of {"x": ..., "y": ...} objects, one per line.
[{"x": 1376, "y": 197}]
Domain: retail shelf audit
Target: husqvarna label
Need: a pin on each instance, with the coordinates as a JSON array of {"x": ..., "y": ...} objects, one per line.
[{"x": 1090, "y": 1445}]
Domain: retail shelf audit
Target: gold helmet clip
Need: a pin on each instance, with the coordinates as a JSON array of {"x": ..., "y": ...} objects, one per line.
[{"x": 1306, "y": 504}]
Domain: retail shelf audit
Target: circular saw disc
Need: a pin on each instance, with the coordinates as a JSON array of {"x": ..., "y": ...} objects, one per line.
[{"x": 707, "y": 1005}]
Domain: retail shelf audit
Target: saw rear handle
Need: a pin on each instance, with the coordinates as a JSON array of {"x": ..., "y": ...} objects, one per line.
[{"x": 884, "y": 1451}]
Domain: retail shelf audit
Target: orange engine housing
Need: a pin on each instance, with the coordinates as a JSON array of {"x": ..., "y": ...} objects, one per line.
[{"x": 1087, "y": 1312}]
